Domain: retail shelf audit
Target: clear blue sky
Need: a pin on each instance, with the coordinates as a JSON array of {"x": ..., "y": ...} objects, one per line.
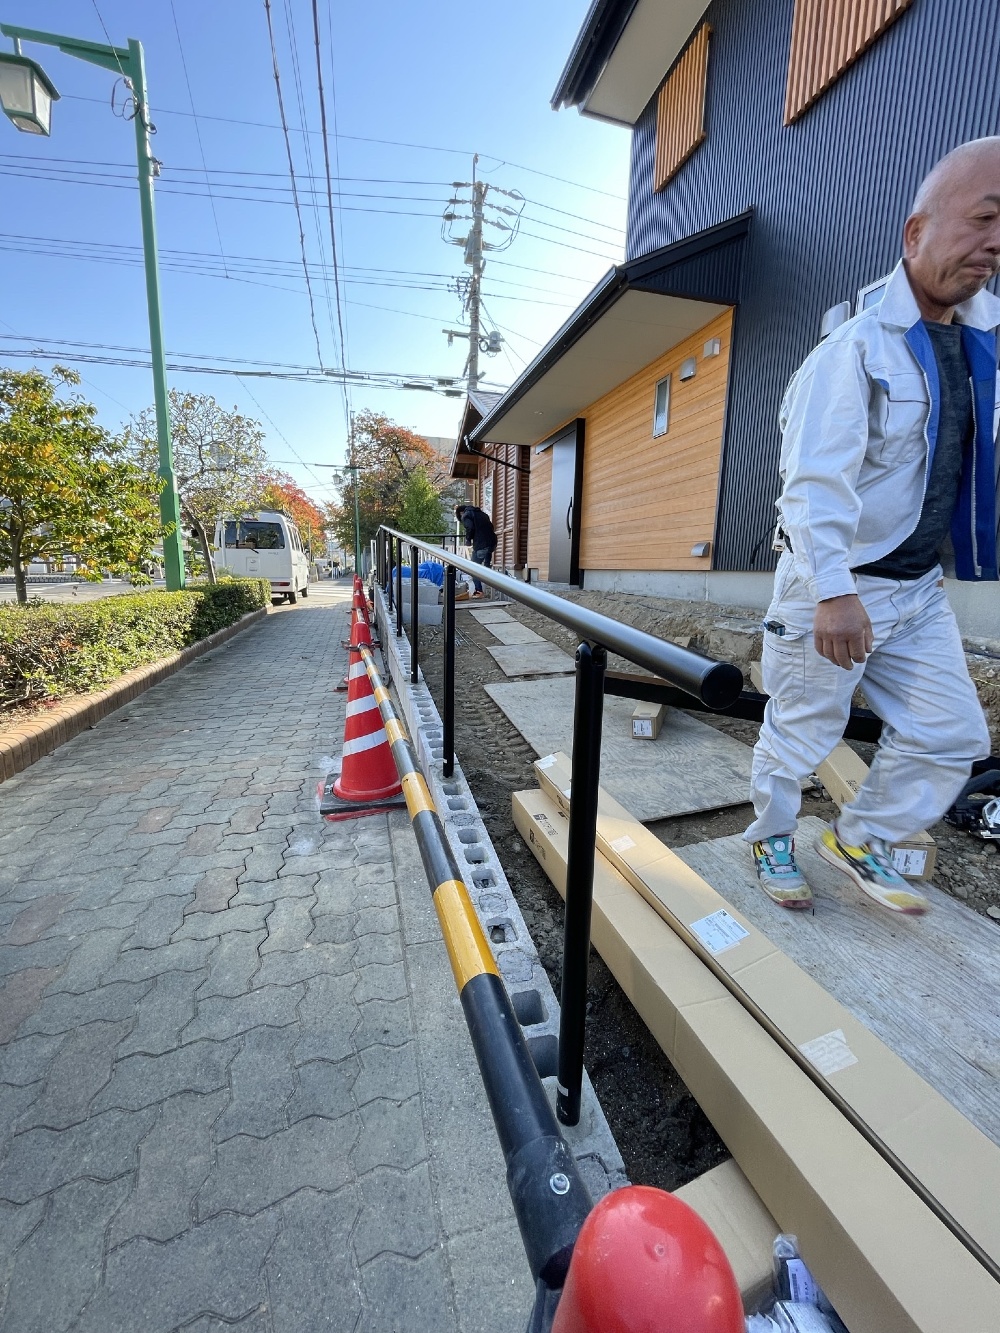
[{"x": 442, "y": 75}]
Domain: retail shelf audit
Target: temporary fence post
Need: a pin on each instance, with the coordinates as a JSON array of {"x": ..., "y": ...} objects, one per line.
[
  {"x": 588, "y": 716},
  {"x": 399, "y": 588},
  {"x": 449, "y": 670},
  {"x": 414, "y": 617}
]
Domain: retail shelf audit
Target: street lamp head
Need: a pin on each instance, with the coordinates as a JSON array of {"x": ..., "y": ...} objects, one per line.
[{"x": 26, "y": 93}]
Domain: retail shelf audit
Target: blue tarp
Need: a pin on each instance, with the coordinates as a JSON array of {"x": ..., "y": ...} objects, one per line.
[{"x": 430, "y": 569}]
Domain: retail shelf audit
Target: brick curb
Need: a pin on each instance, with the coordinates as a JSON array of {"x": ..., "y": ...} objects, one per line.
[{"x": 24, "y": 745}]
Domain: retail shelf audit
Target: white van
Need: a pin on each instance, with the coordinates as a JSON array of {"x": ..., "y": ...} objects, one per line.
[{"x": 265, "y": 545}]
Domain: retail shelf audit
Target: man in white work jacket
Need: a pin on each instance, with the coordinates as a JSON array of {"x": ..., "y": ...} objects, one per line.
[{"x": 889, "y": 472}]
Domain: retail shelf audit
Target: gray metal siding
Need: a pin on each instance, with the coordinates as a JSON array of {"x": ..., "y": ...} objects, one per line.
[{"x": 829, "y": 193}]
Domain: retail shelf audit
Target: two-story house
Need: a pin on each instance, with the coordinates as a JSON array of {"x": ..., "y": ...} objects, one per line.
[{"x": 776, "y": 148}]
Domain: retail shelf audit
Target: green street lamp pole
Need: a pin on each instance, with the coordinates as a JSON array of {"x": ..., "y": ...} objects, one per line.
[{"x": 130, "y": 63}]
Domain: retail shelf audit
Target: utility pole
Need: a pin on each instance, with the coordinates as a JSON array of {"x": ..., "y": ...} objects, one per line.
[
  {"x": 470, "y": 289},
  {"x": 474, "y": 258}
]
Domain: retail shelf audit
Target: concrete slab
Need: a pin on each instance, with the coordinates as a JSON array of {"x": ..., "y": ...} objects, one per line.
[
  {"x": 489, "y": 615},
  {"x": 512, "y": 633},
  {"x": 689, "y": 767},
  {"x": 878, "y": 966},
  {"x": 532, "y": 659}
]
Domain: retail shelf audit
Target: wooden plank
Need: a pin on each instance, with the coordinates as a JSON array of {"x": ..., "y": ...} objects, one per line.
[
  {"x": 689, "y": 767},
  {"x": 926, "y": 986}
]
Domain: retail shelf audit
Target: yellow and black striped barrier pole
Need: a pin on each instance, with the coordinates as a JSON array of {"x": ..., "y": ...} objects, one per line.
[{"x": 549, "y": 1196}]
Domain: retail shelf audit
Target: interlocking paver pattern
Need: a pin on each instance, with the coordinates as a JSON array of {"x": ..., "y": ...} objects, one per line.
[{"x": 236, "y": 1091}]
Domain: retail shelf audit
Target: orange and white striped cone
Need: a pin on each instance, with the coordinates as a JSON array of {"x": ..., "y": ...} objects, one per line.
[
  {"x": 361, "y": 602},
  {"x": 360, "y": 634},
  {"x": 368, "y": 781}
]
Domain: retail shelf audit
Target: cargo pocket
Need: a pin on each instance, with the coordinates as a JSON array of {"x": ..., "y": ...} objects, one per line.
[{"x": 783, "y": 665}]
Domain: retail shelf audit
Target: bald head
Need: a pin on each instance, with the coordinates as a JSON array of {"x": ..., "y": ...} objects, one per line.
[
  {"x": 967, "y": 162},
  {"x": 951, "y": 240}
]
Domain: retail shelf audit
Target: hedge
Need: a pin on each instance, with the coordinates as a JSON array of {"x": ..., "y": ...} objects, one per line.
[{"x": 58, "y": 648}]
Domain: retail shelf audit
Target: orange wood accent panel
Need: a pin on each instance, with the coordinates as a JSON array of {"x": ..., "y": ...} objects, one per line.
[
  {"x": 827, "y": 37},
  {"x": 680, "y": 110},
  {"x": 647, "y": 501},
  {"x": 510, "y": 504},
  {"x": 539, "y": 510}
]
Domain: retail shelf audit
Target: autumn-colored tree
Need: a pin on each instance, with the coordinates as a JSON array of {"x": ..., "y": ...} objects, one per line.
[
  {"x": 66, "y": 485},
  {"x": 386, "y": 455},
  {"x": 282, "y": 492},
  {"x": 219, "y": 461}
]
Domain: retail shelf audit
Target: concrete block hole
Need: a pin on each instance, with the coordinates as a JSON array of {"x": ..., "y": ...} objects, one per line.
[
  {"x": 484, "y": 879},
  {"x": 468, "y": 835},
  {"x": 475, "y": 855},
  {"x": 529, "y": 1007},
  {"x": 451, "y": 788},
  {"x": 545, "y": 1053},
  {"x": 501, "y": 931},
  {"x": 457, "y": 803}
]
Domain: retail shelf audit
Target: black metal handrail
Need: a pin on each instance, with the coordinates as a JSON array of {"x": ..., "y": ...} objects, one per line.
[{"x": 715, "y": 684}]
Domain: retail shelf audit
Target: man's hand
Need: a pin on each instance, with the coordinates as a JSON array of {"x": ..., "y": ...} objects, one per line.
[{"x": 842, "y": 631}]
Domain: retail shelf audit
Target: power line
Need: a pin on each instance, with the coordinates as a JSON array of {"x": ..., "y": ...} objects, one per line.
[
  {"x": 388, "y": 143},
  {"x": 329, "y": 201},
  {"x": 291, "y": 173},
  {"x": 279, "y": 430},
  {"x": 197, "y": 130}
]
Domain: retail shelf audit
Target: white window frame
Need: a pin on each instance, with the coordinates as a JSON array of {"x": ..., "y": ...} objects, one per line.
[
  {"x": 664, "y": 384},
  {"x": 875, "y": 290}
]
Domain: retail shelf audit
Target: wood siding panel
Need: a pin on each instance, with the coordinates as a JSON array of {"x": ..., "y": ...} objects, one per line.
[
  {"x": 539, "y": 510},
  {"x": 647, "y": 501},
  {"x": 680, "y": 116},
  {"x": 827, "y": 37},
  {"x": 510, "y": 502}
]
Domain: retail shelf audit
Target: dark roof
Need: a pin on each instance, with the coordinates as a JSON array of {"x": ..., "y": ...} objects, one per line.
[
  {"x": 700, "y": 268},
  {"x": 605, "y": 22}
]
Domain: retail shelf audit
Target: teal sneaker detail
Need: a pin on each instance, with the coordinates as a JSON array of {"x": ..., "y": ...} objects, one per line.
[
  {"x": 780, "y": 877},
  {"x": 871, "y": 868}
]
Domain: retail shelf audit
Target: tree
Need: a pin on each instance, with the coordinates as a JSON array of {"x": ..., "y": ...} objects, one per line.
[
  {"x": 423, "y": 508},
  {"x": 387, "y": 455},
  {"x": 282, "y": 492},
  {"x": 219, "y": 461},
  {"x": 66, "y": 484}
]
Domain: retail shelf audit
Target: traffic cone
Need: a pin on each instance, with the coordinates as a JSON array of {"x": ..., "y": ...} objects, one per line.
[
  {"x": 368, "y": 780},
  {"x": 361, "y": 601},
  {"x": 644, "y": 1260},
  {"x": 360, "y": 634}
]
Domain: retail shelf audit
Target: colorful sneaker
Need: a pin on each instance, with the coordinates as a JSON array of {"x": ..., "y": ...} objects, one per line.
[
  {"x": 872, "y": 870},
  {"x": 780, "y": 877}
]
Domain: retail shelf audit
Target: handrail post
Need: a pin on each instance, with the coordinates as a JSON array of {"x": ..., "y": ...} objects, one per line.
[
  {"x": 399, "y": 587},
  {"x": 414, "y": 617},
  {"x": 588, "y": 716},
  {"x": 389, "y": 589},
  {"x": 449, "y": 671}
]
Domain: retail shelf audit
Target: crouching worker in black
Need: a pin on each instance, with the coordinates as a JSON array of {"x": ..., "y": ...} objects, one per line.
[{"x": 480, "y": 536}]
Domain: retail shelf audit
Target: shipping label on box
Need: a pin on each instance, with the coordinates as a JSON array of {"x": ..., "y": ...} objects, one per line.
[{"x": 647, "y": 719}]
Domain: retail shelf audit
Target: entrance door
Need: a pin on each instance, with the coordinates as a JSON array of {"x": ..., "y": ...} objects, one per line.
[{"x": 564, "y": 535}]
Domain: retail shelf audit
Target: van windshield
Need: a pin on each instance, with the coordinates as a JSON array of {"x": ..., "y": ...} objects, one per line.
[{"x": 251, "y": 536}]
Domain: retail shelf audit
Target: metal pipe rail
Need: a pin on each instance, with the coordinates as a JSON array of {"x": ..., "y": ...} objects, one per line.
[
  {"x": 549, "y": 1196},
  {"x": 716, "y": 685}
]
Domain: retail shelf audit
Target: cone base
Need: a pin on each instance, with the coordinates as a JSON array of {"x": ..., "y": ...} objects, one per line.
[
  {"x": 333, "y": 806},
  {"x": 363, "y": 797}
]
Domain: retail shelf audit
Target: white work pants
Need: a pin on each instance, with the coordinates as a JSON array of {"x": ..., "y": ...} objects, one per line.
[{"x": 916, "y": 680}]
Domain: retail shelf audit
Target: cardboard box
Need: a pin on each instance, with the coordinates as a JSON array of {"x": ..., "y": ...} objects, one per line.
[
  {"x": 647, "y": 719},
  {"x": 886, "y": 1261},
  {"x": 842, "y": 774},
  {"x": 948, "y": 1155},
  {"x": 725, "y": 1199}
]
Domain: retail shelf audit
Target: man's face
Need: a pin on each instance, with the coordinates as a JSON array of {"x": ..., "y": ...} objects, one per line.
[{"x": 953, "y": 249}]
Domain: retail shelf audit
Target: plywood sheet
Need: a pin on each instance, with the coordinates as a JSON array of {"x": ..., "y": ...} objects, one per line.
[
  {"x": 532, "y": 659},
  {"x": 689, "y": 767},
  {"x": 512, "y": 633},
  {"x": 925, "y": 985}
]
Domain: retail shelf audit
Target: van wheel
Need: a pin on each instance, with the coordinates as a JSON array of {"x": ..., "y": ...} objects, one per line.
[
  {"x": 293, "y": 597},
  {"x": 305, "y": 592}
]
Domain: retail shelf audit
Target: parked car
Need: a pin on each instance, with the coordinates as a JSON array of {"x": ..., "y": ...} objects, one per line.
[{"x": 264, "y": 545}]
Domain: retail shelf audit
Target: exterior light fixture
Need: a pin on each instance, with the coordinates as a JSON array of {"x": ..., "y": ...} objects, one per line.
[
  {"x": 688, "y": 370},
  {"x": 833, "y": 318},
  {"x": 700, "y": 550},
  {"x": 712, "y": 348},
  {"x": 26, "y": 93}
]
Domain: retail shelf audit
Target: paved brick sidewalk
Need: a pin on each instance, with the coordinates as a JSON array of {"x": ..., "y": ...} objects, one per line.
[{"x": 236, "y": 1089}]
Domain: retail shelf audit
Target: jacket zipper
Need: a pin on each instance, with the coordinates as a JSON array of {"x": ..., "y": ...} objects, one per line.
[{"x": 975, "y": 450}]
